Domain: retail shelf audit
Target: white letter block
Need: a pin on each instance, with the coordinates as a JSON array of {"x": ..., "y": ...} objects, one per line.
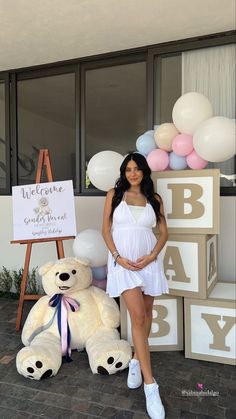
[
  {"x": 210, "y": 326},
  {"x": 191, "y": 200},
  {"x": 190, "y": 264},
  {"x": 167, "y": 326}
]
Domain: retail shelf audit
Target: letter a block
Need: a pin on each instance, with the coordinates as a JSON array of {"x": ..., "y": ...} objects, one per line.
[
  {"x": 210, "y": 326},
  {"x": 190, "y": 264},
  {"x": 191, "y": 200},
  {"x": 167, "y": 325}
]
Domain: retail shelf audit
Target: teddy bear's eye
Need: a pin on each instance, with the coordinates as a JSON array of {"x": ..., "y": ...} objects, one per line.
[
  {"x": 57, "y": 273},
  {"x": 74, "y": 271}
]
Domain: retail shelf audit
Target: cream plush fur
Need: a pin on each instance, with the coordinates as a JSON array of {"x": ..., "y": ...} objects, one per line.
[{"x": 92, "y": 327}]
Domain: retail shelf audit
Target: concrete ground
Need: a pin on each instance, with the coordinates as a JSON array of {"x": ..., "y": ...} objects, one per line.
[{"x": 76, "y": 393}]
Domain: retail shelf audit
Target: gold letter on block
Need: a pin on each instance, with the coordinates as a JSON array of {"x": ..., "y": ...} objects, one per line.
[
  {"x": 178, "y": 201},
  {"x": 219, "y": 333},
  {"x": 173, "y": 255},
  {"x": 163, "y": 326}
]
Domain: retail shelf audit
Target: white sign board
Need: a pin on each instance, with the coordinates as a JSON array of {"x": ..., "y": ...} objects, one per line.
[{"x": 43, "y": 210}]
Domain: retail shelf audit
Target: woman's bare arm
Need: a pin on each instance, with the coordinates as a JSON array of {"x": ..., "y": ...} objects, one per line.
[
  {"x": 106, "y": 227},
  {"x": 163, "y": 231}
]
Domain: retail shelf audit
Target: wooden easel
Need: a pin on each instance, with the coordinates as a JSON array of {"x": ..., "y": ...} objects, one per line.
[{"x": 44, "y": 161}]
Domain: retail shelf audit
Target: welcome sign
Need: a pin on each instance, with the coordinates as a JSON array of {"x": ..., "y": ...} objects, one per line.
[{"x": 43, "y": 210}]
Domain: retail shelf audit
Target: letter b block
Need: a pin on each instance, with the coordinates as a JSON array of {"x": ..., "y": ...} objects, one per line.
[
  {"x": 190, "y": 264},
  {"x": 191, "y": 200},
  {"x": 167, "y": 325}
]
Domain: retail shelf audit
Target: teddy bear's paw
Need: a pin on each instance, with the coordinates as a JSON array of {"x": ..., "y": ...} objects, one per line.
[
  {"x": 114, "y": 360},
  {"x": 34, "y": 367}
]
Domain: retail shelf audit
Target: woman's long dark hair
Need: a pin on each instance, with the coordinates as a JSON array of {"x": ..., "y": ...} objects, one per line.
[{"x": 146, "y": 186}]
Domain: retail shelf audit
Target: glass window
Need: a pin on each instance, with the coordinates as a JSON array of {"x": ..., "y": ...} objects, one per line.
[
  {"x": 211, "y": 71},
  {"x": 167, "y": 86},
  {"x": 46, "y": 119},
  {"x": 115, "y": 106},
  {"x": 3, "y": 168}
]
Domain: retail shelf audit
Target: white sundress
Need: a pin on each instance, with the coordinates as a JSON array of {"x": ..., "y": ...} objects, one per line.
[{"x": 134, "y": 238}]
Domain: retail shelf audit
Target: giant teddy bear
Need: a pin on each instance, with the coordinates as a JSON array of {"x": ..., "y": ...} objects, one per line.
[{"x": 72, "y": 315}]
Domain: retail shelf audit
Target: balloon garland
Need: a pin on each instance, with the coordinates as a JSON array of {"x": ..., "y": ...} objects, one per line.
[{"x": 193, "y": 139}]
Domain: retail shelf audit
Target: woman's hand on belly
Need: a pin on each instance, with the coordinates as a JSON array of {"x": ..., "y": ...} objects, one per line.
[
  {"x": 128, "y": 264},
  {"x": 143, "y": 261}
]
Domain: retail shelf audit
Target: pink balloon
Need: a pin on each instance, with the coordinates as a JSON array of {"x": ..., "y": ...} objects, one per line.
[
  {"x": 194, "y": 161},
  {"x": 158, "y": 160},
  {"x": 182, "y": 144}
]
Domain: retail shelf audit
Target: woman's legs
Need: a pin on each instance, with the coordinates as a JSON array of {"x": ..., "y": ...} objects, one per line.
[
  {"x": 148, "y": 303},
  {"x": 140, "y": 322}
]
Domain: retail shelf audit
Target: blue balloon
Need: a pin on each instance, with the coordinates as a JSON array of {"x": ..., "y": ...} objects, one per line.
[
  {"x": 177, "y": 162},
  {"x": 142, "y": 154},
  {"x": 150, "y": 132},
  {"x": 100, "y": 272},
  {"x": 145, "y": 143}
]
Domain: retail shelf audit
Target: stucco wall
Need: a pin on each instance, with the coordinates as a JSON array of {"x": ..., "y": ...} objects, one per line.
[{"x": 89, "y": 215}]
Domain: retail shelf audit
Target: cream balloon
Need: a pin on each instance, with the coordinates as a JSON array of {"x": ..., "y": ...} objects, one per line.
[
  {"x": 104, "y": 169},
  {"x": 190, "y": 110},
  {"x": 89, "y": 244},
  {"x": 214, "y": 140},
  {"x": 164, "y": 135}
]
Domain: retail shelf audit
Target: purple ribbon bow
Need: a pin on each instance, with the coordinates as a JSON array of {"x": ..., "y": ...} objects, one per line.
[{"x": 63, "y": 303}]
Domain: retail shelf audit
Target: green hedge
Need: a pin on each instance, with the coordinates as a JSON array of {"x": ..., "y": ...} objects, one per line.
[{"x": 10, "y": 282}]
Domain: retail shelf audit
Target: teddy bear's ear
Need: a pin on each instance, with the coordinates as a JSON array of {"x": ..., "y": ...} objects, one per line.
[
  {"x": 83, "y": 261},
  {"x": 45, "y": 268}
]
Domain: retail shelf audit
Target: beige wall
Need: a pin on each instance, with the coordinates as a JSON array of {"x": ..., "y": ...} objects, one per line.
[{"x": 89, "y": 215}]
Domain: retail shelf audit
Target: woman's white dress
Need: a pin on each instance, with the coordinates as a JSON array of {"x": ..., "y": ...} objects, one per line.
[{"x": 133, "y": 237}]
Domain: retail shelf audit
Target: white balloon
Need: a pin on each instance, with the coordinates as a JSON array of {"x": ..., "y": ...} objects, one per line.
[
  {"x": 214, "y": 140},
  {"x": 104, "y": 169},
  {"x": 89, "y": 244},
  {"x": 190, "y": 110}
]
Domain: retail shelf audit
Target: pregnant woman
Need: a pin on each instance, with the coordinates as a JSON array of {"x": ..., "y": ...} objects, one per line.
[{"x": 135, "y": 271}]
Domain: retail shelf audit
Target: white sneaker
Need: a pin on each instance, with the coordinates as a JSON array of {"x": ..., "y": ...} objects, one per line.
[
  {"x": 134, "y": 379},
  {"x": 154, "y": 405}
]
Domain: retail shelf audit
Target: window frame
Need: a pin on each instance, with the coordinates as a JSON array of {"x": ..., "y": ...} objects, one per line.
[
  {"x": 41, "y": 73},
  {"x": 189, "y": 44},
  {"x": 4, "y": 77},
  {"x": 107, "y": 62},
  {"x": 79, "y": 66}
]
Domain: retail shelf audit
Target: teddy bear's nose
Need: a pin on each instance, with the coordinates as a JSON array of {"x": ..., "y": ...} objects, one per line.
[{"x": 64, "y": 276}]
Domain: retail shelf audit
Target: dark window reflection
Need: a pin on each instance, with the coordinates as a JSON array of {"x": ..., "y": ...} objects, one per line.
[
  {"x": 46, "y": 119},
  {"x": 115, "y": 109},
  {"x": 167, "y": 82},
  {"x": 2, "y": 137}
]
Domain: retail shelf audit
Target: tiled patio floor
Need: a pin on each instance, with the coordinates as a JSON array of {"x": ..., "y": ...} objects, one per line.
[{"x": 76, "y": 393}]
